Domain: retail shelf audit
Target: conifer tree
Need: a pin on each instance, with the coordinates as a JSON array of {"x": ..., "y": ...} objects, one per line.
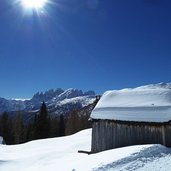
[
  {"x": 18, "y": 129},
  {"x": 6, "y": 128},
  {"x": 72, "y": 124},
  {"x": 54, "y": 127},
  {"x": 61, "y": 126},
  {"x": 41, "y": 123}
]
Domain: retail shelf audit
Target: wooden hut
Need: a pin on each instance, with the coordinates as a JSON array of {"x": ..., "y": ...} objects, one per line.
[{"x": 131, "y": 117}]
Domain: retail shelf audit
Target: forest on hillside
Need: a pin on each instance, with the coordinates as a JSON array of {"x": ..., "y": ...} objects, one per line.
[{"x": 15, "y": 130}]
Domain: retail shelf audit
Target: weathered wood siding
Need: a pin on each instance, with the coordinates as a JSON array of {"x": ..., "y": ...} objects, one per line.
[{"x": 108, "y": 134}]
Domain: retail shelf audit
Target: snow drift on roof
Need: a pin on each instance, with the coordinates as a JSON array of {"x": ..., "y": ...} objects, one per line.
[{"x": 150, "y": 103}]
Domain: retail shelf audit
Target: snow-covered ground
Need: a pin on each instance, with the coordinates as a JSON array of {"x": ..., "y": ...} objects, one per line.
[{"x": 61, "y": 154}]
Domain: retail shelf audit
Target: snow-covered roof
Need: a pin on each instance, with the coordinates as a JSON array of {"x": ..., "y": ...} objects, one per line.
[{"x": 150, "y": 103}]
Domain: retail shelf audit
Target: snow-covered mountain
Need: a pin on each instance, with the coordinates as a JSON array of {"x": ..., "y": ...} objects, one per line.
[
  {"x": 11, "y": 105},
  {"x": 58, "y": 101}
]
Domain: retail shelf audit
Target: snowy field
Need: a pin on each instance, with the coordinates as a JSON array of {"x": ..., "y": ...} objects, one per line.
[{"x": 61, "y": 154}]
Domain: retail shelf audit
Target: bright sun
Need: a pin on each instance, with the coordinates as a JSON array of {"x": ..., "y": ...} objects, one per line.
[{"x": 35, "y": 4}]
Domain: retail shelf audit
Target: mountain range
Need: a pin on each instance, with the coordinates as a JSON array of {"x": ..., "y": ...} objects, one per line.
[{"x": 58, "y": 101}]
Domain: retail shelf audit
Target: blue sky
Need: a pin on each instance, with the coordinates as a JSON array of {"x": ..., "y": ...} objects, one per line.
[{"x": 85, "y": 44}]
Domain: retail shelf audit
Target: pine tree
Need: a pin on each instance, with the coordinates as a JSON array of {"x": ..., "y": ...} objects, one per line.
[
  {"x": 6, "y": 128},
  {"x": 72, "y": 124},
  {"x": 4, "y": 125},
  {"x": 54, "y": 127},
  {"x": 41, "y": 123},
  {"x": 61, "y": 126},
  {"x": 18, "y": 129}
]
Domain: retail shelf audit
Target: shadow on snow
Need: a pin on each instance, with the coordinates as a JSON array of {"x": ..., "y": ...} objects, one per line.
[{"x": 137, "y": 160}]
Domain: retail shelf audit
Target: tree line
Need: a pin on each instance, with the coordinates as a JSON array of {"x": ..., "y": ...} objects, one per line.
[{"x": 15, "y": 130}]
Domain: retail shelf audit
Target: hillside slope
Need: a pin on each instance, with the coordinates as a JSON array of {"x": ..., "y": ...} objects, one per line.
[{"x": 61, "y": 154}]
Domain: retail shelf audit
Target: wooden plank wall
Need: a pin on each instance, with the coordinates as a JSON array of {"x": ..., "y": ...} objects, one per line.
[{"x": 108, "y": 135}]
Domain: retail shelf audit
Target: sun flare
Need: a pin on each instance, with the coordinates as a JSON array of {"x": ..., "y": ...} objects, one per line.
[{"x": 34, "y": 4}]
